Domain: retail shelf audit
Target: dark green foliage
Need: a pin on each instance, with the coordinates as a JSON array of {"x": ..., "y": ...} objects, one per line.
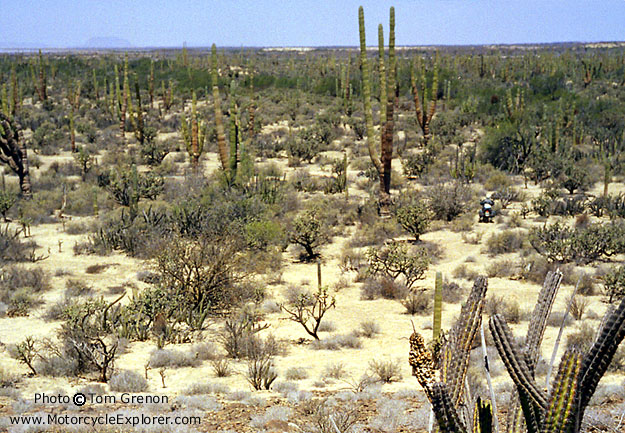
[
  {"x": 7, "y": 200},
  {"x": 614, "y": 283},
  {"x": 309, "y": 231},
  {"x": 585, "y": 244},
  {"x": 414, "y": 218},
  {"x": 397, "y": 260},
  {"x": 127, "y": 186}
]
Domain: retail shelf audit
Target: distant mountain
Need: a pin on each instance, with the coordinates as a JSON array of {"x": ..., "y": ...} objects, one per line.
[{"x": 107, "y": 42}]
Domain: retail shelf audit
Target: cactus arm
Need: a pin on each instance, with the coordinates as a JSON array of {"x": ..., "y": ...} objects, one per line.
[
  {"x": 538, "y": 322},
  {"x": 533, "y": 400},
  {"x": 438, "y": 305},
  {"x": 455, "y": 359},
  {"x": 366, "y": 92},
  {"x": 219, "y": 124},
  {"x": 560, "y": 412},
  {"x": 483, "y": 417},
  {"x": 382, "y": 72},
  {"x": 446, "y": 413},
  {"x": 597, "y": 360}
]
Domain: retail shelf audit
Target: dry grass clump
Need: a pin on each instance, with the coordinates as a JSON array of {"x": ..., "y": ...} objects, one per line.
[
  {"x": 128, "y": 381},
  {"x": 386, "y": 371}
]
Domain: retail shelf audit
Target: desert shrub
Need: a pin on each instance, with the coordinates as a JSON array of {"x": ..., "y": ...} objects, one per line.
[
  {"x": 463, "y": 271},
  {"x": 501, "y": 268},
  {"x": 376, "y": 233},
  {"x": 374, "y": 288},
  {"x": 198, "y": 388},
  {"x": 221, "y": 367},
  {"x": 449, "y": 201},
  {"x": 417, "y": 303},
  {"x": 87, "y": 340},
  {"x": 337, "y": 342},
  {"x": 395, "y": 260},
  {"x": 500, "y": 305},
  {"x": 309, "y": 232},
  {"x": 296, "y": 373},
  {"x": 308, "y": 309},
  {"x": 452, "y": 291},
  {"x": 369, "y": 329},
  {"x": 507, "y": 241},
  {"x": 335, "y": 370},
  {"x": 19, "y": 289},
  {"x": 273, "y": 415},
  {"x": 127, "y": 186},
  {"x": 263, "y": 234},
  {"x": 172, "y": 358},
  {"x": 260, "y": 372},
  {"x": 205, "y": 272},
  {"x": 386, "y": 371},
  {"x": 12, "y": 248},
  {"x": 414, "y": 218},
  {"x": 128, "y": 381},
  {"x": 7, "y": 200},
  {"x": 583, "y": 338},
  {"x": 614, "y": 283},
  {"x": 559, "y": 243},
  {"x": 238, "y": 336},
  {"x": 556, "y": 317},
  {"x": 577, "y": 306}
]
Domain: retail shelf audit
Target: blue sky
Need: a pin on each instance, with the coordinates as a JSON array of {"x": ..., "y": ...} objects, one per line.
[{"x": 68, "y": 23}]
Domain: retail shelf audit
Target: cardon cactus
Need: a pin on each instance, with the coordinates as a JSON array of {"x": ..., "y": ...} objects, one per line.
[{"x": 559, "y": 410}]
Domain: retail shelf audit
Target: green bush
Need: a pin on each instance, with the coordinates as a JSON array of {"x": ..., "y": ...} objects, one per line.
[
  {"x": 449, "y": 201},
  {"x": 508, "y": 241},
  {"x": 414, "y": 218},
  {"x": 262, "y": 234},
  {"x": 310, "y": 232},
  {"x": 614, "y": 283},
  {"x": 396, "y": 260}
]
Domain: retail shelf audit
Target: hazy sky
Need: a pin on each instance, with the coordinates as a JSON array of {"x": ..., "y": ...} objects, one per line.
[{"x": 68, "y": 23}]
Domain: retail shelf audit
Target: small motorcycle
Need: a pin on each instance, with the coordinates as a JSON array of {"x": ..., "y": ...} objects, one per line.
[{"x": 487, "y": 213}]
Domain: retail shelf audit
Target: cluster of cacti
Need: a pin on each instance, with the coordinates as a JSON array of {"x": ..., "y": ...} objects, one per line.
[
  {"x": 193, "y": 133},
  {"x": 73, "y": 97},
  {"x": 591, "y": 70},
  {"x": 424, "y": 99},
  {"x": 442, "y": 372},
  {"x": 559, "y": 410},
  {"x": 388, "y": 98},
  {"x": 515, "y": 105},
  {"x": 13, "y": 152}
]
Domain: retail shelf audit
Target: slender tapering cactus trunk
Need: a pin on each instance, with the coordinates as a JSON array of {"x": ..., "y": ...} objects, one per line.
[
  {"x": 151, "y": 84},
  {"x": 14, "y": 91},
  {"x": 221, "y": 136},
  {"x": 195, "y": 154}
]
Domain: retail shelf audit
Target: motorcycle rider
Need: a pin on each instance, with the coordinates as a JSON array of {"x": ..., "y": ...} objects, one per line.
[{"x": 487, "y": 205}]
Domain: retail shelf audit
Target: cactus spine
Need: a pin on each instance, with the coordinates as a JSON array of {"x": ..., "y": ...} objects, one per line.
[
  {"x": 221, "y": 136},
  {"x": 383, "y": 164}
]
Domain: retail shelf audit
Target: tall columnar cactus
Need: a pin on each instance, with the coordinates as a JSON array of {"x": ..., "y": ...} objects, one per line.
[
  {"x": 73, "y": 97},
  {"x": 151, "y": 84},
  {"x": 15, "y": 101},
  {"x": 382, "y": 163},
  {"x": 137, "y": 118},
  {"x": 438, "y": 306},
  {"x": 40, "y": 81},
  {"x": 13, "y": 152},
  {"x": 123, "y": 103},
  {"x": 445, "y": 387},
  {"x": 219, "y": 124},
  {"x": 424, "y": 99},
  {"x": 96, "y": 85},
  {"x": 193, "y": 134}
]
